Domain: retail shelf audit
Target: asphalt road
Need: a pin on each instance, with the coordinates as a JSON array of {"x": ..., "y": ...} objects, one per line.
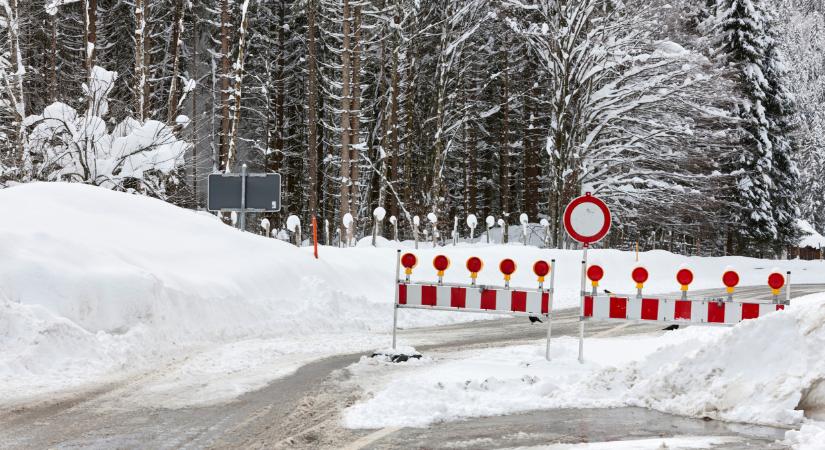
[{"x": 302, "y": 410}]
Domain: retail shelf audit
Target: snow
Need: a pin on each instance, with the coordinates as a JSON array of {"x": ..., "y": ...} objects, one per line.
[
  {"x": 490, "y": 221},
  {"x": 472, "y": 221},
  {"x": 810, "y": 237},
  {"x": 99, "y": 286},
  {"x": 432, "y": 218},
  {"x": 293, "y": 222},
  {"x": 379, "y": 213},
  {"x": 811, "y": 436},
  {"x": 766, "y": 371}
]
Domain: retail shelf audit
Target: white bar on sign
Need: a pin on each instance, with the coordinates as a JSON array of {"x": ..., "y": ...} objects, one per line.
[
  {"x": 534, "y": 302},
  {"x": 414, "y": 294},
  {"x": 442, "y": 296},
  {"x": 473, "y": 299}
]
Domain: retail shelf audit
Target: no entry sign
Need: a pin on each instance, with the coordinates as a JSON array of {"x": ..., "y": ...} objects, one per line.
[{"x": 587, "y": 219}]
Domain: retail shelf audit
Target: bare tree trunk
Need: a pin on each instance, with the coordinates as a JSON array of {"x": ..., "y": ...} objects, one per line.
[
  {"x": 194, "y": 118},
  {"x": 531, "y": 157},
  {"x": 346, "y": 134},
  {"x": 174, "y": 85},
  {"x": 355, "y": 114},
  {"x": 312, "y": 107},
  {"x": 140, "y": 59},
  {"x": 18, "y": 94},
  {"x": 225, "y": 73},
  {"x": 392, "y": 124},
  {"x": 52, "y": 58},
  {"x": 504, "y": 158},
  {"x": 239, "y": 73}
]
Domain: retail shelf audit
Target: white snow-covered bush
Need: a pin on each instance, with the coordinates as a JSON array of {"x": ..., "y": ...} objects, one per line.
[
  {"x": 416, "y": 221},
  {"x": 379, "y": 213},
  {"x": 432, "y": 218},
  {"x": 490, "y": 221},
  {"x": 393, "y": 220},
  {"x": 73, "y": 146},
  {"x": 347, "y": 220},
  {"x": 523, "y": 219},
  {"x": 472, "y": 221}
]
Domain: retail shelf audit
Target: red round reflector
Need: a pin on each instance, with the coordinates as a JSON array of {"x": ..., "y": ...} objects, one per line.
[
  {"x": 684, "y": 277},
  {"x": 541, "y": 268},
  {"x": 776, "y": 280},
  {"x": 408, "y": 260},
  {"x": 474, "y": 264},
  {"x": 595, "y": 273},
  {"x": 730, "y": 278},
  {"x": 441, "y": 262},
  {"x": 507, "y": 266},
  {"x": 639, "y": 274}
]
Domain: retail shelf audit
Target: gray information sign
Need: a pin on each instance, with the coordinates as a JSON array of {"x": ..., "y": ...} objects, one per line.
[{"x": 242, "y": 192}]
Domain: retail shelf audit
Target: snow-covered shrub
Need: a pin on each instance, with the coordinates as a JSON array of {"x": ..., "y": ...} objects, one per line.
[{"x": 71, "y": 146}]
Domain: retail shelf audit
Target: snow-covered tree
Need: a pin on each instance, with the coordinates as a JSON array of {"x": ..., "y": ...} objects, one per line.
[{"x": 71, "y": 146}]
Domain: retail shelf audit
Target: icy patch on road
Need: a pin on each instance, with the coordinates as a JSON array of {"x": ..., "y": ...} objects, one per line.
[{"x": 756, "y": 372}]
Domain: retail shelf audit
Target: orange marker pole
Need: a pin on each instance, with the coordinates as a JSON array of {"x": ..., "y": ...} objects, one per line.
[{"x": 315, "y": 235}]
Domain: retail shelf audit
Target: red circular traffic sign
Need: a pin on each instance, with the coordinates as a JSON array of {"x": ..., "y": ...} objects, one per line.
[
  {"x": 776, "y": 280},
  {"x": 507, "y": 266},
  {"x": 684, "y": 277},
  {"x": 441, "y": 263},
  {"x": 541, "y": 268},
  {"x": 474, "y": 264},
  {"x": 639, "y": 275},
  {"x": 409, "y": 261},
  {"x": 730, "y": 278},
  {"x": 595, "y": 272},
  {"x": 587, "y": 219}
]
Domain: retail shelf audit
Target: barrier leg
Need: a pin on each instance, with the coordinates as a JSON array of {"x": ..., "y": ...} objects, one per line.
[
  {"x": 581, "y": 308},
  {"x": 395, "y": 305},
  {"x": 788, "y": 288},
  {"x": 550, "y": 307}
]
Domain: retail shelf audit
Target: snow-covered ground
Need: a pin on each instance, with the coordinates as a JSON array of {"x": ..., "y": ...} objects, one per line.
[
  {"x": 764, "y": 371},
  {"x": 99, "y": 286}
]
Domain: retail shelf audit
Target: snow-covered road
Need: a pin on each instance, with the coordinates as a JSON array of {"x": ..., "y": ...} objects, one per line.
[{"x": 304, "y": 409}]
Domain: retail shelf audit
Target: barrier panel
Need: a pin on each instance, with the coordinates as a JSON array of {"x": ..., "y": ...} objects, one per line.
[
  {"x": 683, "y": 310},
  {"x": 440, "y": 296}
]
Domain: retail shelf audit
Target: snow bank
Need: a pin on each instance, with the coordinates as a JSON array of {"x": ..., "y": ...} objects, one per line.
[
  {"x": 96, "y": 285},
  {"x": 763, "y": 371}
]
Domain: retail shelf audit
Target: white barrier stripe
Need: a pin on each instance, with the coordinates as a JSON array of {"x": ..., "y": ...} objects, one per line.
[
  {"x": 634, "y": 308},
  {"x": 699, "y": 311},
  {"x": 473, "y": 299},
  {"x": 444, "y": 296},
  {"x": 534, "y": 302},
  {"x": 413, "y": 294},
  {"x": 601, "y": 307},
  {"x": 733, "y": 313}
]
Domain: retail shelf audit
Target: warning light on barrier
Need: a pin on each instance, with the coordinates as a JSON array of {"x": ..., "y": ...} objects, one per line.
[
  {"x": 776, "y": 280},
  {"x": 409, "y": 261},
  {"x": 441, "y": 263},
  {"x": 541, "y": 269},
  {"x": 639, "y": 275},
  {"x": 595, "y": 274},
  {"x": 684, "y": 276},
  {"x": 730, "y": 279},
  {"x": 474, "y": 265},
  {"x": 507, "y": 267}
]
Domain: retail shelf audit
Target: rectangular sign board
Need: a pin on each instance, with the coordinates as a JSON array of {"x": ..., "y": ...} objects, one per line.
[{"x": 263, "y": 192}]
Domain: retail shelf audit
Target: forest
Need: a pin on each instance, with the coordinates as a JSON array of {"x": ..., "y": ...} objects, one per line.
[{"x": 699, "y": 122}]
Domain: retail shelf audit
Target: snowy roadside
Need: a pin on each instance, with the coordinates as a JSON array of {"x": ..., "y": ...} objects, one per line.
[
  {"x": 99, "y": 287},
  {"x": 764, "y": 371}
]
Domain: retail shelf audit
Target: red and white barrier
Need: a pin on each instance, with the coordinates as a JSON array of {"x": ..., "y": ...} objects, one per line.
[
  {"x": 471, "y": 297},
  {"x": 692, "y": 312},
  {"x": 684, "y": 310}
]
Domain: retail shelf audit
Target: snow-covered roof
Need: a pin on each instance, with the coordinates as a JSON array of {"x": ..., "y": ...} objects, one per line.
[{"x": 810, "y": 237}]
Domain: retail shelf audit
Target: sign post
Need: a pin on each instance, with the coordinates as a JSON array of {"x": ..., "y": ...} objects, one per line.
[
  {"x": 586, "y": 220},
  {"x": 244, "y": 192}
]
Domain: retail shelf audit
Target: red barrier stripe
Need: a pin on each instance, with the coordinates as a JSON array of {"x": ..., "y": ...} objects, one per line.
[
  {"x": 458, "y": 297},
  {"x": 650, "y": 309},
  {"x": 618, "y": 308},
  {"x": 681, "y": 310},
  {"x": 545, "y": 303},
  {"x": 588, "y": 306},
  {"x": 716, "y": 312},
  {"x": 750, "y": 311},
  {"x": 402, "y": 294},
  {"x": 488, "y": 299},
  {"x": 429, "y": 295},
  {"x": 518, "y": 301},
  {"x": 780, "y": 307}
]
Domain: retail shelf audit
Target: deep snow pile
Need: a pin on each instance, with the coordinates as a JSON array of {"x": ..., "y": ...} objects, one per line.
[
  {"x": 763, "y": 371},
  {"x": 96, "y": 285}
]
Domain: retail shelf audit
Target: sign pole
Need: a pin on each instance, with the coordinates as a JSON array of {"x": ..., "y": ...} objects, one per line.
[
  {"x": 395, "y": 305},
  {"x": 550, "y": 307},
  {"x": 242, "y": 220},
  {"x": 581, "y": 310}
]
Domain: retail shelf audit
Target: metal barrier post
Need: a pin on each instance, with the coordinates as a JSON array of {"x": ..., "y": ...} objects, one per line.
[
  {"x": 581, "y": 310},
  {"x": 788, "y": 289},
  {"x": 550, "y": 307},
  {"x": 395, "y": 305}
]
